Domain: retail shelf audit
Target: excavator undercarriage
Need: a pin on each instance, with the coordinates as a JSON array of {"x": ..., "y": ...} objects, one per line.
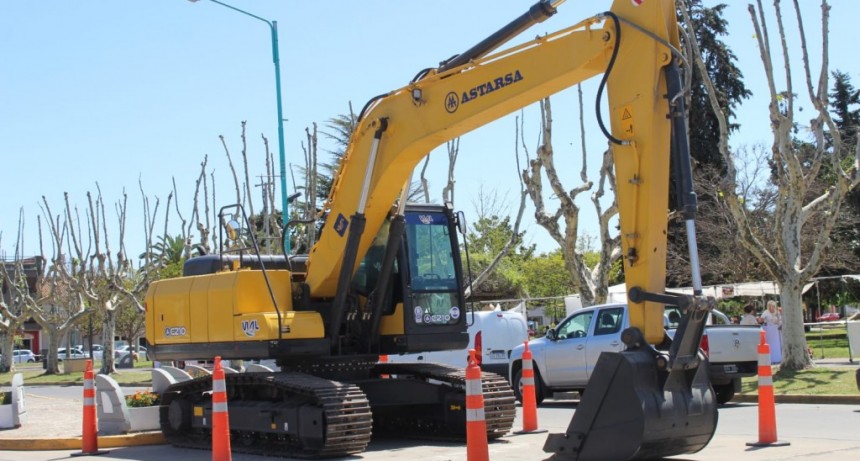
[{"x": 294, "y": 414}]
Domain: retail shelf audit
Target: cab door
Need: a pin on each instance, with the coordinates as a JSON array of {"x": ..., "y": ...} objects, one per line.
[
  {"x": 566, "y": 354},
  {"x": 606, "y": 336}
]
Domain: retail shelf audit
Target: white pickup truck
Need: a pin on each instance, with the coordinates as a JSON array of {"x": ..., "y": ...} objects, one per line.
[{"x": 564, "y": 358}]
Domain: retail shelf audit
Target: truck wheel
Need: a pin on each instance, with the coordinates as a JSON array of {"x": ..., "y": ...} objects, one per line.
[
  {"x": 725, "y": 392},
  {"x": 518, "y": 387}
]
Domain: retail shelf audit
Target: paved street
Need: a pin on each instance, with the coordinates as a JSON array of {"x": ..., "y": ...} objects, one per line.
[{"x": 815, "y": 432}]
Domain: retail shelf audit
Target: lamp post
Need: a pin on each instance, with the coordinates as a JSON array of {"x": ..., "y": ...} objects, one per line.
[{"x": 273, "y": 26}]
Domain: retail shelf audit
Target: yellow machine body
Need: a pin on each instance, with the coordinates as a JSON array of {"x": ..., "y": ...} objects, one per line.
[{"x": 226, "y": 306}]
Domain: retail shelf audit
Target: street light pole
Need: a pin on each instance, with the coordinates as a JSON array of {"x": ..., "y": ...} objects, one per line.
[{"x": 273, "y": 26}]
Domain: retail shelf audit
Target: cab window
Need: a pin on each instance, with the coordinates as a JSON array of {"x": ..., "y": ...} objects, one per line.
[
  {"x": 609, "y": 321},
  {"x": 575, "y": 327}
]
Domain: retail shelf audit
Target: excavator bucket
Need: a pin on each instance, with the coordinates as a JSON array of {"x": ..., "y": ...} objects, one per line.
[{"x": 633, "y": 408}]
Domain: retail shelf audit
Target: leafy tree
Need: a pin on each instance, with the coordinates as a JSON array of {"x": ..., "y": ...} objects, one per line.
[
  {"x": 340, "y": 128},
  {"x": 707, "y": 26},
  {"x": 502, "y": 283},
  {"x": 546, "y": 276},
  {"x": 845, "y": 99},
  {"x": 487, "y": 237},
  {"x": 490, "y": 234},
  {"x": 130, "y": 322}
]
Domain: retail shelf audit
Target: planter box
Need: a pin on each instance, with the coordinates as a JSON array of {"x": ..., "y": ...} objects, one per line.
[
  {"x": 74, "y": 365},
  {"x": 144, "y": 418}
]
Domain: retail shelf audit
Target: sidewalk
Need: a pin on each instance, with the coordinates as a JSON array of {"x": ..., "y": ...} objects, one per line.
[
  {"x": 49, "y": 417},
  {"x": 56, "y": 423}
]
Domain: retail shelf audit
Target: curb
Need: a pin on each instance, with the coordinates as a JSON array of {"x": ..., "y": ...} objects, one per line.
[
  {"x": 807, "y": 399},
  {"x": 74, "y": 443}
]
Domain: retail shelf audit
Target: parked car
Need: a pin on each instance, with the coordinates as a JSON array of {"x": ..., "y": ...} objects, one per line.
[
  {"x": 75, "y": 352},
  {"x": 493, "y": 335},
  {"x": 23, "y": 356},
  {"x": 98, "y": 352},
  {"x": 564, "y": 359},
  {"x": 828, "y": 317},
  {"x": 124, "y": 350}
]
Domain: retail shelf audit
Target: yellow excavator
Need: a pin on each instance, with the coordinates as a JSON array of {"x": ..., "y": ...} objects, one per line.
[{"x": 385, "y": 276}]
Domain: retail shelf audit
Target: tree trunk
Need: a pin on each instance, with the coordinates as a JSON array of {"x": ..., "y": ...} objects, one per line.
[
  {"x": 794, "y": 348},
  {"x": 54, "y": 336},
  {"x": 8, "y": 344},
  {"x": 108, "y": 332}
]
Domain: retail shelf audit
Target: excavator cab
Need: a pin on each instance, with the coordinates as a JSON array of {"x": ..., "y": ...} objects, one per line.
[{"x": 423, "y": 309}]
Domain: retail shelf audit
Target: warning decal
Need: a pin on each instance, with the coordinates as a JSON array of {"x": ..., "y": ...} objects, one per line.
[{"x": 626, "y": 125}]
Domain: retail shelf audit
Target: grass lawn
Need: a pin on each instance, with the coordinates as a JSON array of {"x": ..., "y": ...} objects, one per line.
[
  {"x": 828, "y": 343},
  {"x": 34, "y": 374},
  {"x": 815, "y": 381}
]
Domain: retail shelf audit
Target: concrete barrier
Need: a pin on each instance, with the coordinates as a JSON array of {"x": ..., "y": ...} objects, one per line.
[
  {"x": 125, "y": 361},
  {"x": 19, "y": 409},
  {"x": 196, "y": 371},
  {"x": 111, "y": 408},
  {"x": 257, "y": 368},
  {"x": 164, "y": 377},
  {"x": 14, "y": 414},
  {"x": 115, "y": 416},
  {"x": 178, "y": 374}
]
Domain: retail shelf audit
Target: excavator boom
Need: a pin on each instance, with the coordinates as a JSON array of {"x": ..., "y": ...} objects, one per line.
[{"x": 443, "y": 105}]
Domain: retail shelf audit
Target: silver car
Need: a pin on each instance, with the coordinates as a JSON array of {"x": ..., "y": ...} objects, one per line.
[
  {"x": 23, "y": 356},
  {"x": 74, "y": 353}
]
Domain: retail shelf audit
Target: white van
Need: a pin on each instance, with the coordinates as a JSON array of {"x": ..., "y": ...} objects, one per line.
[{"x": 493, "y": 335}]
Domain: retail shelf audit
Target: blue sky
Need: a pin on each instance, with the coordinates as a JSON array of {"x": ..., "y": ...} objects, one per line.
[{"x": 116, "y": 91}]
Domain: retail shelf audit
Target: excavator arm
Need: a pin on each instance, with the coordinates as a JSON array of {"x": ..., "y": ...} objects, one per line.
[
  {"x": 660, "y": 405},
  {"x": 397, "y": 130}
]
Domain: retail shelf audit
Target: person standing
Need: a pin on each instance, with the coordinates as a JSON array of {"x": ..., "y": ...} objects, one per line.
[
  {"x": 749, "y": 316},
  {"x": 772, "y": 323}
]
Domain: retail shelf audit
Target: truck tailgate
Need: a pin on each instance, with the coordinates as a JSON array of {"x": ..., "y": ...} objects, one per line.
[{"x": 733, "y": 343}]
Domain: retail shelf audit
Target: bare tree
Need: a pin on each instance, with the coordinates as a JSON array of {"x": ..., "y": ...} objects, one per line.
[
  {"x": 515, "y": 229},
  {"x": 311, "y": 178},
  {"x": 18, "y": 295},
  {"x": 453, "y": 148},
  {"x": 64, "y": 302},
  {"x": 796, "y": 166},
  {"x": 93, "y": 276},
  {"x": 723, "y": 257},
  {"x": 592, "y": 282},
  {"x": 232, "y": 168}
]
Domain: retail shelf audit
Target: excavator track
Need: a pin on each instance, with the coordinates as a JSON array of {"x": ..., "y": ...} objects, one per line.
[
  {"x": 282, "y": 414},
  {"x": 448, "y": 420}
]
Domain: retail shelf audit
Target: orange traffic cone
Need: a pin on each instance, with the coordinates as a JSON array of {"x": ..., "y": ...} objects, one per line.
[
  {"x": 766, "y": 407},
  {"x": 90, "y": 440},
  {"x": 220, "y": 418},
  {"x": 530, "y": 423},
  {"x": 476, "y": 424}
]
